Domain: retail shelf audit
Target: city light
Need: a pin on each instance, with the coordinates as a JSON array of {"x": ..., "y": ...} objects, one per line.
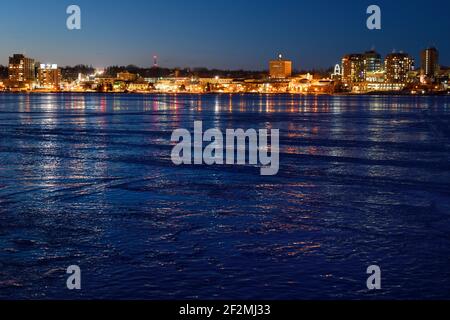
[{"x": 357, "y": 74}]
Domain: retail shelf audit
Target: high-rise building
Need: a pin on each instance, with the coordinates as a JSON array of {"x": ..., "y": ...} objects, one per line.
[
  {"x": 372, "y": 63},
  {"x": 430, "y": 62},
  {"x": 21, "y": 69},
  {"x": 398, "y": 66},
  {"x": 49, "y": 76},
  {"x": 280, "y": 68},
  {"x": 353, "y": 68}
]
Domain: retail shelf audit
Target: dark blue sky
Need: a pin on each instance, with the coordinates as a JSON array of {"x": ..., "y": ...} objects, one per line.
[{"x": 218, "y": 33}]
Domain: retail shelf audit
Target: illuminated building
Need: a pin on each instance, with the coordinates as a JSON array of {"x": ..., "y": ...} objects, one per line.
[
  {"x": 139, "y": 85},
  {"x": 105, "y": 83},
  {"x": 323, "y": 86},
  {"x": 375, "y": 76},
  {"x": 126, "y": 76},
  {"x": 394, "y": 77},
  {"x": 430, "y": 62},
  {"x": 353, "y": 68},
  {"x": 372, "y": 62},
  {"x": 357, "y": 67},
  {"x": 216, "y": 84},
  {"x": 174, "y": 85},
  {"x": 299, "y": 84},
  {"x": 21, "y": 72},
  {"x": 49, "y": 76},
  {"x": 280, "y": 68},
  {"x": 398, "y": 66},
  {"x": 378, "y": 86}
]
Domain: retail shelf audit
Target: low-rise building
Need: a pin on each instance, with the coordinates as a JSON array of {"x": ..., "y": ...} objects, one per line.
[
  {"x": 139, "y": 85},
  {"x": 127, "y": 76}
]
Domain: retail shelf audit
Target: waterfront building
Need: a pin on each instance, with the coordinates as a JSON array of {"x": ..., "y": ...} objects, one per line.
[
  {"x": 120, "y": 86},
  {"x": 280, "y": 68},
  {"x": 430, "y": 63},
  {"x": 372, "y": 62},
  {"x": 140, "y": 85},
  {"x": 49, "y": 77},
  {"x": 300, "y": 84},
  {"x": 378, "y": 87},
  {"x": 174, "y": 85},
  {"x": 352, "y": 68},
  {"x": 127, "y": 76},
  {"x": 375, "y": 76},
  {"x": 21, "y": 72},
  {"x": 104, "y": 83},
  {"x": 322, "y": 86},
  {"x": 356, "y": 68},
  {"x": 21, "y": 68},
  {"x": 216, "y": 84},
  {"x": 398, "y": 67}
]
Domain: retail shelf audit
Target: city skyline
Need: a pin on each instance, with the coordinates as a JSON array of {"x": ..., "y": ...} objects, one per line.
[
  {"x": 217, "y": 35},
  {"x": 359, "y": 73},
  {"x": 416, "y": 57}
]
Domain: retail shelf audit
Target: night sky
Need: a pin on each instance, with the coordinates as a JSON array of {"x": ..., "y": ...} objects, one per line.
[{"x": 228, "y": 34}]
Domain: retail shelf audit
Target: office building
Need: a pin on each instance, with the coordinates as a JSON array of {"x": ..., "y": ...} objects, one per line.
[{"x": 280, "y": 68}]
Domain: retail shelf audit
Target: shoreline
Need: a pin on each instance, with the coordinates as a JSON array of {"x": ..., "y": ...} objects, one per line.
[{"x": 231, "y": 94}]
